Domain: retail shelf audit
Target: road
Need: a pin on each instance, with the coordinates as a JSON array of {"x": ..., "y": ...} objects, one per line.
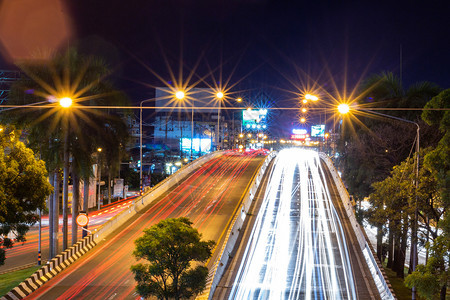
[
  {"x": 208, "y": 196},
  {"x": 298, "y": 248},
  {"x": 25, "y": 254}
]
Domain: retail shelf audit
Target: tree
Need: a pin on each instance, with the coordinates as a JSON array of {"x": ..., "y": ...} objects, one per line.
[
  {"x": 393, "y": 207},
  {"x": 433, "y": 278},
  {"x": 375, "y": 146},
  {"x": 170, "y": 247},
  {"x": 84, "y": 79},
  {"x": 23, "y": 189}
]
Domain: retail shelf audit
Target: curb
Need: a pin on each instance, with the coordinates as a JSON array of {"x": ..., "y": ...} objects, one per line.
[{"x": 53, "y": 267}]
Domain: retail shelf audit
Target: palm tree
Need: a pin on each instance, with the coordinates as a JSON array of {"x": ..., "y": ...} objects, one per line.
[{"x": 82, "y": 78}]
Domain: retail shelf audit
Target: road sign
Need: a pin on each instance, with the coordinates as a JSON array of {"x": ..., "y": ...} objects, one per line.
[{"x": 82, "y": 220}]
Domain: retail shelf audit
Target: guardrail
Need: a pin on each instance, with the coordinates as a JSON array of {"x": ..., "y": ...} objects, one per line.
[
  {"x": 70, "y": 255},
  {"x": 217, "y": 270},
  {"x": 378, "y": 275}
]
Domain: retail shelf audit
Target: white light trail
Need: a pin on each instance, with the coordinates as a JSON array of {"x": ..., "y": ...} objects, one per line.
[{"x": 297, "y": 248}]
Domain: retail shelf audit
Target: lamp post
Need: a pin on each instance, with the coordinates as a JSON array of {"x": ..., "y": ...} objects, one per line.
[
  {"x": 219, "y": 96},
  {"x": 99, "y": 150},
  {"x": 343, "y": 109},
  {"x": 65, "y": 102},
  {"x": 140, "y": 144}
]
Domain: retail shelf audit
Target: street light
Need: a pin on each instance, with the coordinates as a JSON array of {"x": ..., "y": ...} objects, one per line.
[
  {"x": 65, "y": 102},
  {"x": 99, "y": 173},
  {"x": 343, "y": 109},
  {"x": 180, "y": 96},
  {"x": 219, "y": 96},
  {"x": 140, "y": 143}
]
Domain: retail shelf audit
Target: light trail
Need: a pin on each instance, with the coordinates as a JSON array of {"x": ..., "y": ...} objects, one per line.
[
  {"x": 104, "y": 272},
  {"x": 297, "y": 249}
]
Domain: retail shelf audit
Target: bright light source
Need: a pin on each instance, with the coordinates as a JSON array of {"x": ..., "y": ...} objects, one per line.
[
  {"x": 311, "y": 97},
  {"x": 99, "y": 149},
  {"x": 179, "y": 95},
  {"x": 241, "y": 135},
  {"x": 343, "y": 108},
  {"x": 305, "y": 101},
  {"x": 249, "y": 108},
  {"x": 239, "y": 99},
  {"x": 178, "y": 163},
  {"x": 302, "y": 120},
  {"x": 219, "y": 95},
  {"x": 65, "y": 102},
  {"x": 303, "y": 109},
  {"x": 249, "y": 135}
]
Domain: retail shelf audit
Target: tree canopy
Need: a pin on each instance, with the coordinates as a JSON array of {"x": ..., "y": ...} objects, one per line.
[
  {"x": 433, "y": 278},
  {"x": 372, "y": 146},
  {"x": 170, "y": 247},
  {"x": 23, "y": 189}
]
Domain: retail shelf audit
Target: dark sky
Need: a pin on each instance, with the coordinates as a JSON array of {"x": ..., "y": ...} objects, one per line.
[
  {"x": 278, "y": 46},
  {"x": 273, "y": 42}
]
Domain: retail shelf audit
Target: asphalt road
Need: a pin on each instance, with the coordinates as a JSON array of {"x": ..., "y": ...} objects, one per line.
[
  {"x": 208, "y": 196},
  {"x": 25, "y": 254}
]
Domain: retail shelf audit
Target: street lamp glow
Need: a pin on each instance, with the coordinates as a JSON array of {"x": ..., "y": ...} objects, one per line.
[
  {"x": 305, "y": 101},
  {"x": 302, "y": 120},
  {"x": 179, "y": 95},
  {"x": 219, "y": 95},
  {"x": 343, "y": 108},
  {"x": 239, "y": 99},
  {"x": 311, "y": 97},
  {"x": 303, "y": 109},
  {"x": 99, "y": 149},
  {"x": 65, "y": 102}
]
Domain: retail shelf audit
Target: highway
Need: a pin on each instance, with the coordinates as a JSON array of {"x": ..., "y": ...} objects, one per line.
[
  {"x": 25, "y": 254},
  {"x": 297, "y": 246},
  {"x": 208, "y": 196}
]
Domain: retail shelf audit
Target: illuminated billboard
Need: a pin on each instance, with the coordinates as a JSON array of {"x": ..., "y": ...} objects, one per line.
[
  {"x": 318, "y": 130},
  {"x": 299, "y": 134},
  {"x": 199, "y": 146},
  {"x": 254, "y": 119}
]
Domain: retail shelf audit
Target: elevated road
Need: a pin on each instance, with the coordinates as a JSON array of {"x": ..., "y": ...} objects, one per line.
[
  {"x": 300, "y": 245},
  {"x": 208, "y": 196}
]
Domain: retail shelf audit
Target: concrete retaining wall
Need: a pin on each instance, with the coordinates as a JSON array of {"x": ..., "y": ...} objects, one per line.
[{"x": 378, "y": 274}]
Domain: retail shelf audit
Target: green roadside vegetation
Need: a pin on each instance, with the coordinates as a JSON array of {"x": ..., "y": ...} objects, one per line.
[
  {"x": 400, "y": 290},
  {"x": 10, "y": 280}
]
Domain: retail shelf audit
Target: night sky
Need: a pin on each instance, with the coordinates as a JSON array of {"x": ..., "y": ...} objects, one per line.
[{"x": 281, "y": 47}]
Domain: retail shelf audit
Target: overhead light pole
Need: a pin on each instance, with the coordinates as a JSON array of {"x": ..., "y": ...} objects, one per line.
[
  {"x": 66, "y": 103},
  {"x": 140, "y": 144},
  {"x": 345, "y": 108},
  {"x": 219, "y": 96}
]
